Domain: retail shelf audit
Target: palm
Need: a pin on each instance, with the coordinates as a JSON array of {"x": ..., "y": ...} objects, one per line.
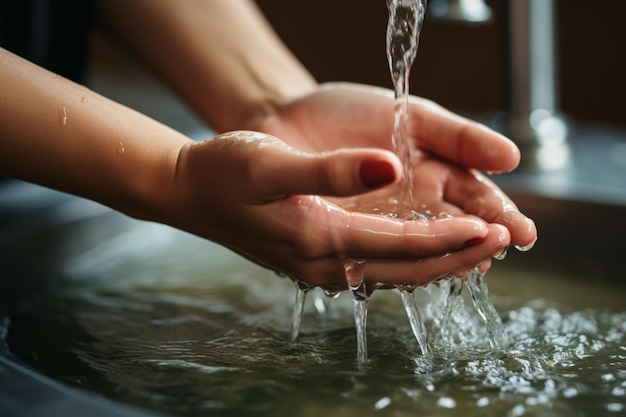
[{"x": 348, "y": 116}]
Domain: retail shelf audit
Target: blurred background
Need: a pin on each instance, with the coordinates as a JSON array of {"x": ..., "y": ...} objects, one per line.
[{"x": 464, "y": 68}]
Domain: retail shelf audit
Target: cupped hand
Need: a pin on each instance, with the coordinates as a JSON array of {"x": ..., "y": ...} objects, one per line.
[
  {"x": 264, "y": 199},
  {"x": 342, "y": 115}
]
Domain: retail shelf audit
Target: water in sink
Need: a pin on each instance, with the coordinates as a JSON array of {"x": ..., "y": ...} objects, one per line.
[{"x": 175, "y": 324}]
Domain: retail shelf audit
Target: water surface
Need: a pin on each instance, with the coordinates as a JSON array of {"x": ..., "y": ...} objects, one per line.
[{"x": 162, "y": 320}]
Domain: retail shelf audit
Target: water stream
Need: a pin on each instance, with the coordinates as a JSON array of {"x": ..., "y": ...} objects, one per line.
[
  {"x": 403, "y": 30},
  {"x": 402, "y": 39}
]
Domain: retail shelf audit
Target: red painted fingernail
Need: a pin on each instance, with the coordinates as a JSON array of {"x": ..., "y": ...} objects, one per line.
[
  {"x": 473, "y": 242},
  {"x": 376, "y": 173}
]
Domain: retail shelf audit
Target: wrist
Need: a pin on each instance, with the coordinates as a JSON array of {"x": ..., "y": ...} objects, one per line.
[{"x": 264, "y": 99}]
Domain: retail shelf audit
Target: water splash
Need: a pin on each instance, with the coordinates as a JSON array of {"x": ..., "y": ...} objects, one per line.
[
  {"x": 525, "y": 248},
  {"x": 63, "y": 117}
]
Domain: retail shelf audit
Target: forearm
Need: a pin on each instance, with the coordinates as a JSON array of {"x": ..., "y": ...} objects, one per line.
[
  {"x": 62, "y": 135},
  {"x": 221, "y": 55}
]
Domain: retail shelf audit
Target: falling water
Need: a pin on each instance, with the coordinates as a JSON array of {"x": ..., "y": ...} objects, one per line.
[
  {"x": 415, "y": 319},
  {"x": 403, "y": 30},
  {"x": 455, "y": 287},
  {"x": 355, "y": 274},
  {"x": 298, "y": 309},
  {"x": 483, "y": 305}
]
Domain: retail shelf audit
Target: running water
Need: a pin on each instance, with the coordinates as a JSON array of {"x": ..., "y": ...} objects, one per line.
[
  {"x": 455, "y": 287},
  {"x": 298, "y": 309},
  {"x": 415, "y": 319},
  {"x": 355, "y": 274},
  {"x": 483, "y": 305},
  {"x": 403, "y": 31}
]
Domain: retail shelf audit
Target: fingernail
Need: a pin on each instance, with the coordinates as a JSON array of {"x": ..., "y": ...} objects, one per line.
[
  {"x": 473, "y": 242},
  {"x": 376, "y": 173}
]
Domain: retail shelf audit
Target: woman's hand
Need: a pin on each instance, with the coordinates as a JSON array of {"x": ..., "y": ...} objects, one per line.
[
  {"x": 262, "y": 198},
  {"x": 349, "y": 115}
]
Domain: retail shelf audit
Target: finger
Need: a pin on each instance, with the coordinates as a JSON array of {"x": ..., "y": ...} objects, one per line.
[
  {"x": 375, "y": 236},
  {"x": 281, "y": 170},
  {"x": 460, "y": 140},
  {"x": 419, "y": 273},
  {"x": 391, "y": 272},
  {"x": 479, "y": 196}
]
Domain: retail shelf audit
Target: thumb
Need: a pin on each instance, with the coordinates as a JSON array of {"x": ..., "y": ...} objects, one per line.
[{"x": 339, "y": 173}]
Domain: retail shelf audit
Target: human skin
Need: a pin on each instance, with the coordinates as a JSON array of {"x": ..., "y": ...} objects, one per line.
[{"x": 292, "y": 153}]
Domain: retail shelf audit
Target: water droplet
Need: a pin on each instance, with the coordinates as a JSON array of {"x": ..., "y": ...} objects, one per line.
[
  {"x": 63, "y": 117},
  {"x": 355, "y": 273},
  {"x": 570, "y": 392},
  {"x": 382, "y": 403},
  {"x": 518, "y": 410},
  {"x": 421, "y": 216},
  {"x": 331, "y": 293},
  {"x": 525, "y": 248},
  {"x": 608, "y": 377},
  {"x": 615, "y": 407},
  {"x": 501, "y": 255},
  {"x": 446, "y": 402},
  {"x": 482, "y": 402}
]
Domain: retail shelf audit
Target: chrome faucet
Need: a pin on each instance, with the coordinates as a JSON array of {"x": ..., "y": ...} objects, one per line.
[
  {"x": 533, "y": 121},
  {"x": 467, "y": 12},
  {"x": 532, "y": 116}
]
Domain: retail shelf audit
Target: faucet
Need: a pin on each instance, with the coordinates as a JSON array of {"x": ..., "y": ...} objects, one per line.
[
  {"x": 532, "y": 116},
  {"x": 533, "y": 119},
  {"x": 467, "y": 12}
]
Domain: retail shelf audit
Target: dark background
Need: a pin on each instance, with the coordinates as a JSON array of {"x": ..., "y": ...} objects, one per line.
[{"x": 463, "y": 68}]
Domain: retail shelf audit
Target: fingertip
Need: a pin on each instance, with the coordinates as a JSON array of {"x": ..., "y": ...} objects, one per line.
[
  {"x": 514, "y": 153},
  {"x": 500, "y": 235},
  {"x": 379, "y": 171},
  {"x": 375, "y": 173},
  {"x": 503, "y": 154},
  {"x": 522, "y": 229}
]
